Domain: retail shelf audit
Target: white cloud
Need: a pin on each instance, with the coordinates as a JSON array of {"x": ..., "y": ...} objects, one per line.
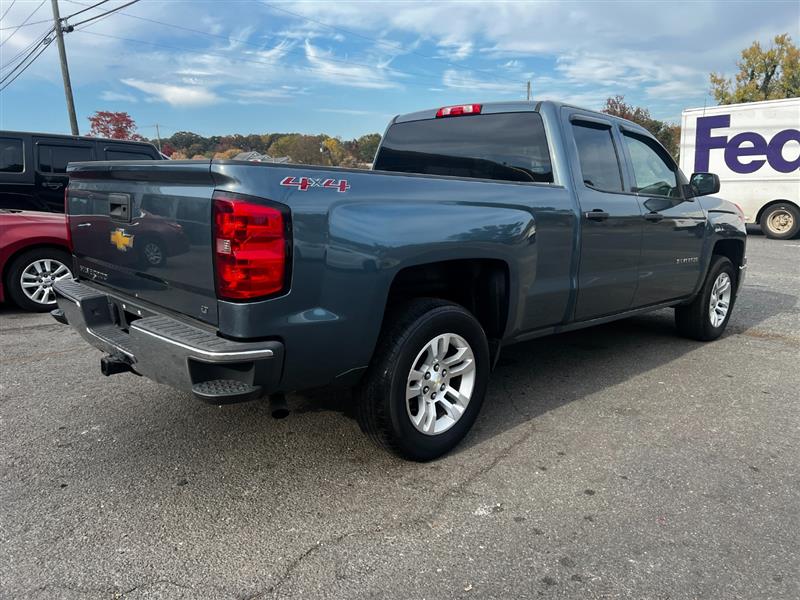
[
  {"x": 175, "y": 95},
  {"x": 453, "y": 50},
  {"x": 340, "y": 72},
  {"x": 466, "y": 80},
  {"x": 112, "y": 96}
]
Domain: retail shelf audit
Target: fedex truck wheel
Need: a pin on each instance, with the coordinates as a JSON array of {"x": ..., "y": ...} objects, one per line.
[{"x": 781, "y": 221}]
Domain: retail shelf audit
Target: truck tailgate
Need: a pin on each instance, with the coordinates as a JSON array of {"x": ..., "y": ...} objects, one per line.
[{"x": 143, "y": 229}]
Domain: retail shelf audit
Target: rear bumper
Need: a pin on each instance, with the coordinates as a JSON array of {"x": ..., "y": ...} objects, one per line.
[{"x": 168, "y": 350}]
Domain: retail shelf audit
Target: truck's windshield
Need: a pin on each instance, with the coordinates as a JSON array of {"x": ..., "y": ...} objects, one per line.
[{"x": 506, "y": 146}]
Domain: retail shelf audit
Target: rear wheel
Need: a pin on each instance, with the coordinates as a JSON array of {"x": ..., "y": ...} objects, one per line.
[
  {"x": 31, "y": 276},
  {"x": 707, "y": 316},
  {"x": 781, "y": 221},
  {"x": 427, "y": 380}
]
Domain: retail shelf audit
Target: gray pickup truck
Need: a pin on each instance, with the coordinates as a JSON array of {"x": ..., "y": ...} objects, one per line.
[{"x": 479, "y": 226}]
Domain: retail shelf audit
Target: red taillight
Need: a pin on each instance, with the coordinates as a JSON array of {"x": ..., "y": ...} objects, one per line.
[
  {"x": 250, "y": 248},
  {"x": 456, "y": 111}
]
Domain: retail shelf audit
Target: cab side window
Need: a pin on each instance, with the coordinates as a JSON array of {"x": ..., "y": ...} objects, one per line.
[
  {"x": 11, "y": 157},
  {"x": 654, "y": 172},
  {"x": 598, "y": 156}
]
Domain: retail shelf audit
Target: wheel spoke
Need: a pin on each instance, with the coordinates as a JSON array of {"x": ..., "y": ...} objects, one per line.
[
  {"x": 413, "y": 390},
  {"x": 29, "y": 284},
  {"x": 429, "y": 422},
  {"x": 454, "y": 411},
  {"x": 450, "y": 360},
  {"x": 61, "y": 270},
  {"x": 466, "y": 366},
  {"x": 458, "y": 398},
  {"x": 38, "y": 266}
]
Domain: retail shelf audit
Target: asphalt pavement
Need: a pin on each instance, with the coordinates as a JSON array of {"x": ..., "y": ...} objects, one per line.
[{"x": 615, "y": 462}]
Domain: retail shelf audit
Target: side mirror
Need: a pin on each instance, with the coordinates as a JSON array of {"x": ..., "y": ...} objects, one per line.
[{"x": 703, "y": 184}]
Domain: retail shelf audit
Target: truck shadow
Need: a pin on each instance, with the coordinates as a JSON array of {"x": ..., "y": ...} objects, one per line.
[{"x": 535, "y": 377}]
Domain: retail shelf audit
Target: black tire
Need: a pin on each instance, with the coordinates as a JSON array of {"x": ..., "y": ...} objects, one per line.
[
  {"x": 13, "y": 284},
  {"x": 381, "y": 401},
  {"x": 776, "y": 211},
  {"x": 693, "y": 320}
]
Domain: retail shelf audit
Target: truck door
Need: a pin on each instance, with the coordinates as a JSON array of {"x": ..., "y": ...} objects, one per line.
[
  {"x": 611, "y": 220},
  {"x": 51, "y": 157},
  {"x": 674, "y": 225}
]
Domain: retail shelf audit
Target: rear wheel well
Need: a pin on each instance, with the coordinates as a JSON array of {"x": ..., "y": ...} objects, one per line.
[
  {"x": 480, "y": 286},
  {"x": 764, "y": 208}
]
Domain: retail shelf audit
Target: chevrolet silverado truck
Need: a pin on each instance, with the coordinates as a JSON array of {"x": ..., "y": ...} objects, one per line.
[{"x": 479, "y": 226}]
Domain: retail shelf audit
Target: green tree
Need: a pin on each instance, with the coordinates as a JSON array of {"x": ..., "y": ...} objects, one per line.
[
  {"x": 303, "y": 149},
  {"x": 367, "y": 146},
  {"x": 764, "y": 74},
  {"x": 669, "y": 134}
]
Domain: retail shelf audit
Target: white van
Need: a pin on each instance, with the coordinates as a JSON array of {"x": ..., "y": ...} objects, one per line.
[{"x": 755, "y": 150}]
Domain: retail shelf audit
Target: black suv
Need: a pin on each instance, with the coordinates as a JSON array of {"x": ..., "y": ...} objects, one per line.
[{"x": 33, "y": 166}]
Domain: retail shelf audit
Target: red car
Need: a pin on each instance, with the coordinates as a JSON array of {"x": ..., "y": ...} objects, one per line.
[{"x": 34, "y": 252}]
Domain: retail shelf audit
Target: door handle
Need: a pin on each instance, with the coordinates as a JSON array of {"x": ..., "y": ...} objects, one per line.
[
  {"x": 596, "y": 215},
  {"x": 84, "y": 224},
  {"x": 52, "y": 185},
  {"x": 654, "y": 217}
]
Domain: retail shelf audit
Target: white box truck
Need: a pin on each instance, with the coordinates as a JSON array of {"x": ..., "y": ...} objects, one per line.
[{"x": 755, "y": 150}]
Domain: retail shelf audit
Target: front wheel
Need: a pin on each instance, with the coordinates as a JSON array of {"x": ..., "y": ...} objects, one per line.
[
  {"x": 781, "y": 221},
  {"x": 426, "y": 383},
  {"x": 707, "y": 316}
]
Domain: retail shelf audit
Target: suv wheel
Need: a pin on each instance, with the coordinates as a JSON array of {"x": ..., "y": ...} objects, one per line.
[
  {"x": 427, "y": 380},
  {"x": 708, "y": 314},
  {"x": 31, "y": 276},
  {"x": 781, "y": 221}
]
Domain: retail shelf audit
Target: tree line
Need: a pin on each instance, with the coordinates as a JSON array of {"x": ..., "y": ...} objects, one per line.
[{"x": 763, "y": 74}]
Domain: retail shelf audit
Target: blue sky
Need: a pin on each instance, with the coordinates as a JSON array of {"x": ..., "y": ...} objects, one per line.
[{"x": 344, "y": 68}]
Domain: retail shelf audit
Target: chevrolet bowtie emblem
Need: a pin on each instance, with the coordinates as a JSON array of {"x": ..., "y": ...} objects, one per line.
[{"x": 121, "y": 240}]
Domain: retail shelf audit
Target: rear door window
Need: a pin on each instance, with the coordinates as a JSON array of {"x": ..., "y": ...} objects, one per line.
[
  {"x": 503, "y": 146},
  {"x": 11, "y": 155},
  {"x": 598, "y": 156},
  {"x": 54, "y": 159}
]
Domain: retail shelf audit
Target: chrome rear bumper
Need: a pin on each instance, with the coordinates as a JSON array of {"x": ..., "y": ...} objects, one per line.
[{"x": 165, "y": 349}]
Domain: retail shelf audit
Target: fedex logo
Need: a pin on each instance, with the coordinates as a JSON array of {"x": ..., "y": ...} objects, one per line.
[{"x": 745, "y": 144}]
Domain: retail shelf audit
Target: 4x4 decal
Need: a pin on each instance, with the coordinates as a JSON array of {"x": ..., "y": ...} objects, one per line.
[{"x": 305, "y": 183}]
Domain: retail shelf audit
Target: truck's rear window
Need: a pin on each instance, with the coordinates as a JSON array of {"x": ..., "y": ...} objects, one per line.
[{"x": 505, "y": 146}]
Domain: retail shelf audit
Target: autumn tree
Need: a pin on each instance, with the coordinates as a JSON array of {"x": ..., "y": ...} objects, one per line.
[
  {"x": 764, "y": 74},
  {"x": 113, "y": 125},
  {"x": 669, "y": 134},
  {"x": 367, "y": 146}
]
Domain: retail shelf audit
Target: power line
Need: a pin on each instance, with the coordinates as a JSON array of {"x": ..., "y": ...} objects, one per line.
[
  {"x": 23, "y": 24},
  {"x": 38, "y": 40},
  {"x": 88, "y": 8},
  {"x": 25, "y": 68},
  {"x": 101, "y": 15},
  {"x": 13, "y": 2},
  {"x": 27, "y": 56},
  {"x": 26, "y": 24}
]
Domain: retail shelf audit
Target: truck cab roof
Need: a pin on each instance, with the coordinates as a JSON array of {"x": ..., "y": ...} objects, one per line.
[{"x": 519, "y": 106}]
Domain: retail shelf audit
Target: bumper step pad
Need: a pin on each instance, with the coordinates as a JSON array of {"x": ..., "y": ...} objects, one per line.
[{"x": 223, "y": 391}]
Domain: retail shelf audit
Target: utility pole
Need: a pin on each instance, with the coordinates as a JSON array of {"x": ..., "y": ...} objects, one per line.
[
  {"x": 158, "y": 137},
  {"x": 62, "y": 53},
  {"x": 529, "y": 90}
]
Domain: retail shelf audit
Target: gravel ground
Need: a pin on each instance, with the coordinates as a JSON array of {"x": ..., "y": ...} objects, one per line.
[{"x": 616, "y": 462}]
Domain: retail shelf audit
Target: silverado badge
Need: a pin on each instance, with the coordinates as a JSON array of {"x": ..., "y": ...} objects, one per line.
[{"x": 121, "y": 240}]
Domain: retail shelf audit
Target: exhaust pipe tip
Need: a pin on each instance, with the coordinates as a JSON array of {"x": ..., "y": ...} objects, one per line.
[
  {"x": 113, "y": 364},
  {"x": 278, "y": 406}
]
